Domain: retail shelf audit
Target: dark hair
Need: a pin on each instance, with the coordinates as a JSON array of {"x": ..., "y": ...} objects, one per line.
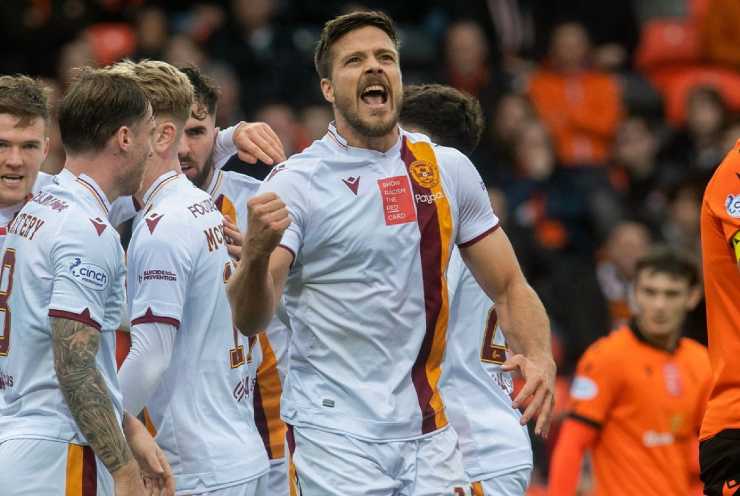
[
  {"x": 97, "y": 104},
  {"x": 206, "y": 91},
  {"x": 25, "y": 98},
  {"x": 339, "y": 26},
  {"x": 671, "y": 261},
  {"x": 452, "y": 117}
]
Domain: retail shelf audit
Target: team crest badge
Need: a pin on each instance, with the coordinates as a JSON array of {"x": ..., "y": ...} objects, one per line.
[
  {"x": 732, "y": 205},
  {"x": 426, "y": 175}
]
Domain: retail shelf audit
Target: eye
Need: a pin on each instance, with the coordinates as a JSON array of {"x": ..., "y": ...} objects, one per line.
[
  {"x": 31, "y": 146},
  {"x": 3, "y": 144},
  {"x": 353, "y": 60}
]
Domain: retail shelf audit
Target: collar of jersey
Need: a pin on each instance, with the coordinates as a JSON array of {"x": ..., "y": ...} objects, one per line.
[
  {"x": 641, "y": 338},
  {"x": 338, "y": 142},
  {"x": 158, "y": 185},
  {"x": 215, "y": 186},
  {"x": 7, "y": 214},
  {"x": 88, "y": 184}
]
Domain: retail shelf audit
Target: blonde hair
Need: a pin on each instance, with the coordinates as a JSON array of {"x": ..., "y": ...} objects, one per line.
[{"x": 167, "y": 88}]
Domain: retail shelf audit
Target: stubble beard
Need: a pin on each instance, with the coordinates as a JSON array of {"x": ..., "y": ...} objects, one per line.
[{"x": 369, "y": 129}]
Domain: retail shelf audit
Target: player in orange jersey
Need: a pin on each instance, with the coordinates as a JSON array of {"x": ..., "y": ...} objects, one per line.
[
  {"x": 638, "y": 396},
  {"x": 720, "y": 244}
]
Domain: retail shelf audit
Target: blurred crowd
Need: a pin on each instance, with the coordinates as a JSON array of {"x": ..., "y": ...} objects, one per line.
[{"x": 605, "y": 120}]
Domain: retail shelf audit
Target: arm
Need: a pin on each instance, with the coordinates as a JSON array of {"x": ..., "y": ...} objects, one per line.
[
  {"x": 75, "y": 347},
  {"x": 494, "y": 265},
  {"x": 567, "y": 458}
]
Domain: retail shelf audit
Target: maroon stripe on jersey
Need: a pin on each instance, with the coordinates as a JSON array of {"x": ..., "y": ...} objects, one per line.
[
  {"x": 479, "y": 237},
  {"x": 431, "y": 252},
  {"x": 150, "y": 318},
  {"x": 260, "y": 419},
  {"x": 290, "y": 438},
  {"x": 83, "y": 317},
  {"x": 89, "y": 472}
]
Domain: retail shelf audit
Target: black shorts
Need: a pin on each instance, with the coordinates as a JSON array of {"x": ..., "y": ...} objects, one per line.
[{"x": 719, "y": 457}]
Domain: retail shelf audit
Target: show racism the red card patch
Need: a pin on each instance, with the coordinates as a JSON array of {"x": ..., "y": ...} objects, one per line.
[{"x": 398, "y": 201}]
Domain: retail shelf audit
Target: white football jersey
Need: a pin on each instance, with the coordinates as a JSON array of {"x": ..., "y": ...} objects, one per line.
[
  {"x": 178, "y": 264},
  {"x": 476, "y": 391},
  {"x": 61, "y": 259},
  {"x": 230, "y": 192},
  {"x": 372, "y": 234}
]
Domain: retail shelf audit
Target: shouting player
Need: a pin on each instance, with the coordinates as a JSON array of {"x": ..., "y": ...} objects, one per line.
[
  {"x": 720, "y": 247},
  {"x": 230, "y": 191},
  {"x": 188, "y": 365},
  {"x": 24, "y": 142},
  {"x": 63, "y": 290},
  {"x": 638, "y": 395},
  {"x": 496, "y": 451},
  {"x": 375, "y": 212}
]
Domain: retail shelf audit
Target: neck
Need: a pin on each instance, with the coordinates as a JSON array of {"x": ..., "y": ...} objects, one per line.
[
  {"x": 665, "y": 342},
  {"x": 98, "y": 168},
  {"x": 155, "y": 168},
  {"x": 358, "y": 140}
]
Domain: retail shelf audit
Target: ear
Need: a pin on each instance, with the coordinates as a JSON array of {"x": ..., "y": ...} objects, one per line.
[
  {"x": 45, "y": 149},
  {"x": 124, "y": 137},
  {"x": 694, "y": 297},
  {"x": 327, "y": 88},
  {"x": 165, "y": 134}
]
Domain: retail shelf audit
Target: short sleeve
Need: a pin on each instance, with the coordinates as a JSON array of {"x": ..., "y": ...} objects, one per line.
[
  {"x": 595, "y": 385},
  {"x": 723, "y": 196},
  {"x": 293, "y": 189},
  {"x": 160, "y": 267},
  {"x": 88, "y": 275},
  {"x": 225, "y": 147},
  {"x": 476, "y": 215},
  {"x": 455, "y": 271}
]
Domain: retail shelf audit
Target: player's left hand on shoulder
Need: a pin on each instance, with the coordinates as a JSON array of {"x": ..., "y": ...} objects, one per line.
[
  {"x": 539, "y": 387},
  {"x": 256, "y": 141},
  {"x": 234, "y": 238}
]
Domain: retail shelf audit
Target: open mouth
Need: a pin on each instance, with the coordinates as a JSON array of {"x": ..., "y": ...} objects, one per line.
[
  {"x": 11, "y": 179},
  {"x": 375, "y": 95}
]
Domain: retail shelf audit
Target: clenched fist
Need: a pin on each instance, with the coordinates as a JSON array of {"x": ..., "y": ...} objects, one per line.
[{"x": 267, "y": 221}]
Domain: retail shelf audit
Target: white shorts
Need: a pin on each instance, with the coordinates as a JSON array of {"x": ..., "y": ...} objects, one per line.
[
  {"x": 258, "y": 486},
  {"x": 511, "y": 484},
  {"x": 49, "y": 468},
  {"x": 278, "y": 477},
  {"x": 329, "y": 464}
]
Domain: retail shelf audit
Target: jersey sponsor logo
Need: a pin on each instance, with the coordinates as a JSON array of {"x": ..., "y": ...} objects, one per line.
[
  {"x": 398, "y": 206},
  {"x": 244, "y": 388},
  {"x": 49, "y": 200},
  {"x": 99, "y": 225},
  {"x": 732, "y": 205},
  {"x": 157, "y": 275},
  {"x": 424, "y": 174},
  {"x": 730, "y": 487},
  {"x": 89, "y": 275},
  {"x": 274, "y": 171},
  {"x": 26, "y": 226},
  {"x": 152, "y": 220},
  {"x": 583, "y": 388},
  {"x": 353, "y": 183},
  {"x": 6, "y": 380},
  {"x": 202, "y": 208},
  {"x": 652, "y": 439},
  {"x": 214, "y": 236},
  {"x": 428, "y": 198},
  {"x": 672, "y": 379}
]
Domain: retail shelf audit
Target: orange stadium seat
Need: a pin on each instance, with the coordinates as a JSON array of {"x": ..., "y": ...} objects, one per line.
[
  {"x": 675, "y": 86},
  {"x": 668, "y": 42},
  {"x": 111, "y": 41}
]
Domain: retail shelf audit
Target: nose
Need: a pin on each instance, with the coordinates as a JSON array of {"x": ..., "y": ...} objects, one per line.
[
  {"x": 183, "y": 149},
  {"x": 14, "y": 157}
]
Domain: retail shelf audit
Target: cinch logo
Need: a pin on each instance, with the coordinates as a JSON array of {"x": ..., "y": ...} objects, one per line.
[
  {"x": 89, "y": 275},
  {"x": 651, "y": 439},
  {"x": 428, "y": 198}
]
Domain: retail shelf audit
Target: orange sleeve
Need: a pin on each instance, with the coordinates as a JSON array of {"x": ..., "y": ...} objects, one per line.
[
  {"x": 723, "y": 196},
  {"x": 565, "y": 467},
  {"x": 602, "y": 109},
  {"x": 596, "y": 384}
]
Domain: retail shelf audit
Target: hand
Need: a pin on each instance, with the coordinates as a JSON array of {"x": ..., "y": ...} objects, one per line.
[
  {"x": 155, "y": 470},
  {"x": 127, "y": 480},
  {"x": 234, "y": 238},
  {"x": 539, "y": 385},
  {"x": 257, "y": 141},
  {"x": 268, "y": 220}
]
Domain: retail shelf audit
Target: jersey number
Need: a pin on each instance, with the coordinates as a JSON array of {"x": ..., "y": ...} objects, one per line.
[
  {"x": 6, "y": 286},
  {"x": 491, "y": 352}
]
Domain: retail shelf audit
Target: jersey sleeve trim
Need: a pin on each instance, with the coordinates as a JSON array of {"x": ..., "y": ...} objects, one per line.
[
  {"x": 150, "y": 318},
  {"x": 286, "y": 247},
  {"x": 735, "y": 245},
  {"x": 479, "y": 237},
  {"x": 585, "y": 420},
  {"x": 83, "y": 317}
]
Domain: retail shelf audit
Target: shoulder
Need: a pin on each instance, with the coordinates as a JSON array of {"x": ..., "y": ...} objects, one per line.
[
  {"x": 236, "y": 182},
  {"x": 695, "y": 352},
  {"x": 608, "y": 349},
  {"x": 42, "y": 181},
  {"x": 726, "y": 177}
]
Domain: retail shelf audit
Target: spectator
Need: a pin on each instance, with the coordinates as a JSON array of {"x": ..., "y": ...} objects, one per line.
[
  {"x": 581, "y": 107},
  {"x": 151, "y": 33}
]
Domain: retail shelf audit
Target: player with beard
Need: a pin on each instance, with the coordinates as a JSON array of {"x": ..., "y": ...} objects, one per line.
[
  {"x": 230, "y": 191},
  {"x": 496, "y": 451},
  {"x": 62, "y": 423},
  {"x": 24, "y": 142},
  {"x": 361, "y": 225}
]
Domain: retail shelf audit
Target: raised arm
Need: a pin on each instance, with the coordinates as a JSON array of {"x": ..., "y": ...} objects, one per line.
[
  {"x": 75, "y": 347},
  {"x": 522, "y": 315},
  {"x": 255, "y": 287}
]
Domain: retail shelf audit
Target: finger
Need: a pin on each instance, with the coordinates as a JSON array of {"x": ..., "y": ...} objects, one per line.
[
  {"x": 167, "y": 477},
  {"x": 267, "y": 206},
  {"x": 262, "y": 198},
  {"x": 235, "y": 251},
  {"x": 154, "y": 466},
  {"x": 512, "y": 363},
  {"x": 274, "y": 138},
  {"x": 534, "y": 406},
  {"x": 542, "y": 428},
  {"x": 273, "y": 146},
  {"x": 280, "y": 226},
  {"x": 246, "y": 157},
  {"x": 233, "y": 233},
  {"x": 530, "y": 386},
  {"x": 255, "y": 144},
  {"x": 277, "y": 216}
]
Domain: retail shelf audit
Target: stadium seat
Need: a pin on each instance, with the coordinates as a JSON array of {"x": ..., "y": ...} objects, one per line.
[
  {"x": 111, "y": 42},
  {"x": 667, "y": 42}
]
